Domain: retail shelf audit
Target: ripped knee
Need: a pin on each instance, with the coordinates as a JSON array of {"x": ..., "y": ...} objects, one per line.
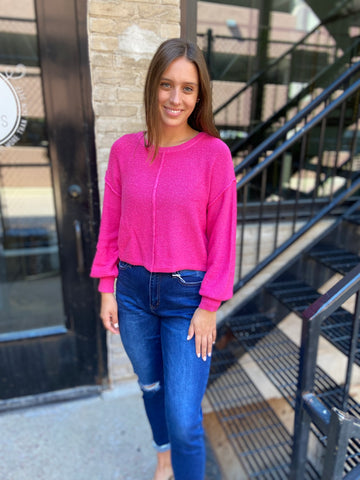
[{"x": 152, "y": 388}]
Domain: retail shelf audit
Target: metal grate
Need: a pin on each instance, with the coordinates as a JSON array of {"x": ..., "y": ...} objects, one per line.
[
  {"x": 278, "y": 356},
  {"x": 297, "y": 296},
  {"x": 335, "y": 258},
  {"x": 261, "y": 442}
]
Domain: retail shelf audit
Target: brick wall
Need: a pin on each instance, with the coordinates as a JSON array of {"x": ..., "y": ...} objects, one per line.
[{"x": 123, "y": 35}]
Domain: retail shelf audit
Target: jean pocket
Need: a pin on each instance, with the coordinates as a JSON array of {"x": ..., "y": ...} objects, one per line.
[
  {"x": 124, "y": 265},
  {"x": 189, "y": 277}
]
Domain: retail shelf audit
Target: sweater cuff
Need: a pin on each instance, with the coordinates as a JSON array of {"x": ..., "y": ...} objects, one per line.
[
  {"x": 106, "y": 285},
  {"x": 210, "y": 304}
]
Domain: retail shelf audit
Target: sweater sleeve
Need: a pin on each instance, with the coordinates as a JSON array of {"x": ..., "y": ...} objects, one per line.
[
  {"x": 106, "y": 259},
  {"x": 217, "y": 285}
]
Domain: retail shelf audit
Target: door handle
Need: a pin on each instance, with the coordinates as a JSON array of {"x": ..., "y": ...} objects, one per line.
[{"x": 79, "y": 247}]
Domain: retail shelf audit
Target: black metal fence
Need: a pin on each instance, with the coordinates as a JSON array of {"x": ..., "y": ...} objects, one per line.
[
  {"x": 330, "y": 412},
  {"x": 247, "y": 93},
  {"x": 299, "y": 175}
]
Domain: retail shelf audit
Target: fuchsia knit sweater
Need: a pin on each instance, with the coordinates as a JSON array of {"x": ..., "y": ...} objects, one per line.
[{"x": 177, "y": 212}]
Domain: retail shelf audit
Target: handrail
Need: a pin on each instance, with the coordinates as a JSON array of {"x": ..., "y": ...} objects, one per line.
[
  {"x": 275, "y": 137},
  {"x": 293, "y": 102},
  {"x": 284, "y": 246},
  {"x": 313, "y": 317},
  {"x": 330, "y": 301},
  {"x": 15, "y": 19},
  {"x": 252, "y": 167},
  {"x": 270, "y": 65}
]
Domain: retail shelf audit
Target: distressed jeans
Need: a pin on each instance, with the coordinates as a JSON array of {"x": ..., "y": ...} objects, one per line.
[{"x": 155, "y": 310}]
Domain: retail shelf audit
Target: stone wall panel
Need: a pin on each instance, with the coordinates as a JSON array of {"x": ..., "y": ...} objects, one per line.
[{"x": 123, "y": 35}]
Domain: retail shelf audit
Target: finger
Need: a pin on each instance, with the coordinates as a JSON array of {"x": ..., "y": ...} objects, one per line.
[
  {"x": 114, "y": 317},
  {"x": 198, "y": 345},
  {"x": 115, "y": 327},
  {"x": 110, "y": 324},
  {"x": 204, "y": 349},
  {"x": 214, "y": 334},
  {"x": 209, "y": 345},
  {"x": 190, "y": 332},
  {"x": 115, "y": 322}
]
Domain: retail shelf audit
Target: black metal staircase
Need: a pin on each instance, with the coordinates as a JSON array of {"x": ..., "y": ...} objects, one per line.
[
  {"x": 262, "y": 443},
  {"x": 269, "y": 199},
  {"x": 347, "y": 10},
  {"x": 274, "y": 185},
  {"x": 309, "y": 61}
]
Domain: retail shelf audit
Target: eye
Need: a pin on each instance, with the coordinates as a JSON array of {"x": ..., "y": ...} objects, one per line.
[
  {"x": 165, "y": 85},
  {"x": 188, "y": 89}
]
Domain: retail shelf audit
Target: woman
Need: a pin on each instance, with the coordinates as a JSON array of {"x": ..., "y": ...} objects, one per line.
[{"x": 168, "y": 234}]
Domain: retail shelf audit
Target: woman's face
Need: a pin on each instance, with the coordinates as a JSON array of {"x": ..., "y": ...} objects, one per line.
[{"x": 178, "y": 93}]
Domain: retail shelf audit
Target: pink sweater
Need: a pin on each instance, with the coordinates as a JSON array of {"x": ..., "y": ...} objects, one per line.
[{"x": 178, "y": 212}]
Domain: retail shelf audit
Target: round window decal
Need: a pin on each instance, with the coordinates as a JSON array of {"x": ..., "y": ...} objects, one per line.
[{"x": 10, "y": 110}]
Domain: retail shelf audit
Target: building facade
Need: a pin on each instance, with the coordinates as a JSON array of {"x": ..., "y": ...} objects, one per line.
[
  {"x": 123, "y": 36},
  {"x": 71, "y": 83}
]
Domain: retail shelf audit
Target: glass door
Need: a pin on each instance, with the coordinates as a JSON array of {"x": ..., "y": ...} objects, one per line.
[
  {"x": 49, "y": 331},
  {"x": 30, "y": 279}
]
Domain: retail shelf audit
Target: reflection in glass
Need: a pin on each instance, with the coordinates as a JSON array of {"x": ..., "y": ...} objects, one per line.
[{"x": 30, "y": 283}]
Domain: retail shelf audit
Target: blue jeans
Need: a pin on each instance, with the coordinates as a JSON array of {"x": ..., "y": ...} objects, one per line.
[{"x": 155, "y": 310}]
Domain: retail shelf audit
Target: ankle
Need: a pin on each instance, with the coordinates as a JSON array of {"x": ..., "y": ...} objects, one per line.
[
  {"x": 164, "y": 459},
  {"x": 164, "y": 469}
]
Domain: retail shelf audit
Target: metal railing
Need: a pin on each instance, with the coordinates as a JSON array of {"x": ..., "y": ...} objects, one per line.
[
  {"x": 294, "y": 67},
  {"x": 298, "y": 176},
  {"x": 242, "y": 146},
  {"x": 332, "y": 420}
]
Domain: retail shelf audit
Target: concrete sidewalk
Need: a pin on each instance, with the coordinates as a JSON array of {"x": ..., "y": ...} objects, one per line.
[{"x": 103, "y": 437}]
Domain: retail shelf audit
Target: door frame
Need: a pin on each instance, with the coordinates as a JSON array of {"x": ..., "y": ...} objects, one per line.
[{"x": 81, "y": 346}]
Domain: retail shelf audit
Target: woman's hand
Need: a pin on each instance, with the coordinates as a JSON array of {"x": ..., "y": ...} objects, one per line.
[
  {"x": 203, "y": 326},
  {"x": 109, "y": 312}
]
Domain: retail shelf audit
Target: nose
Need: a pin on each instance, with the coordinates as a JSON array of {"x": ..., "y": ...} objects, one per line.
[{"x": 175, "y": 96}]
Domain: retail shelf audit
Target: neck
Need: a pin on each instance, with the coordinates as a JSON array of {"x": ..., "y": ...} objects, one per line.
[{"x": 171, "y": 139}]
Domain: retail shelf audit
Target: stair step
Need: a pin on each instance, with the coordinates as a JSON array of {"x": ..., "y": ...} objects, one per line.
[
  {"x": 261, "y": 442},
  {"x": 337, "y": 328},
  {"x": 293, "y": 293},
  {"x": 355, "y": 218},
  {"x": 329, "y": 358},
  {"x": 255, "y": 372},
  {"x": 278, "y": 356},
  {"x": 334, "y": 257}
]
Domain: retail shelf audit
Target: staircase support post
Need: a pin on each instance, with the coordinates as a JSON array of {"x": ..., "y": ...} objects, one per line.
[
  {"x": 188, "y": 20},
  {"x": 340, "y": 429},
  {"x": 307, "y": 366},
  {"x": 261, "y": 61},
  {"x": 209, "y": 52},
  {"x": 352, "y": 351}
]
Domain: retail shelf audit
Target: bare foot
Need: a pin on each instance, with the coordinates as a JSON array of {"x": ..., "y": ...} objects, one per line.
[{"x": 164, "y": 469}]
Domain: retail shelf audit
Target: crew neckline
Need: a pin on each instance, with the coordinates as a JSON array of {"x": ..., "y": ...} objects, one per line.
[{"x": 181, "y": 146}]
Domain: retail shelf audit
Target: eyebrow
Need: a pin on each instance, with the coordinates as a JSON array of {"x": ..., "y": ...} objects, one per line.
[{"x": 170, "y": 80}]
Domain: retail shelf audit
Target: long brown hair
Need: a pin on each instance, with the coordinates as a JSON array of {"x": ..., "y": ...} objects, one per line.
[{"x": 201, "y": 118}]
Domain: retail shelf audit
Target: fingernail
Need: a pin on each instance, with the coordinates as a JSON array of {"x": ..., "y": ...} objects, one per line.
[
  {"x": 204, "y": 358},
  {"x": 198, "y": 355},
  {"x": 188, "y": 337},
  {"x": 209, "y": 354}
]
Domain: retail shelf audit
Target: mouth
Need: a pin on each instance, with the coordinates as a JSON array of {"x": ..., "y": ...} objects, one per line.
[{"x": 172, "y": 111}]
